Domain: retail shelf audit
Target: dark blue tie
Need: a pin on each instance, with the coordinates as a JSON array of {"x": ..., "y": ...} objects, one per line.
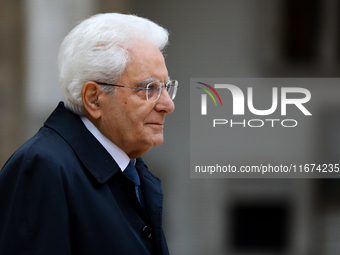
[{"x": 131, "y": 173}]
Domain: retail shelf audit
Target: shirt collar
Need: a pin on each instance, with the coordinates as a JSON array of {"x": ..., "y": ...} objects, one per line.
[{"x": 121, "y": 158}]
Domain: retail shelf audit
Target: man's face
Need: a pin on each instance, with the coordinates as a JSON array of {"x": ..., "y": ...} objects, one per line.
[{"x": 132, "y": 123}]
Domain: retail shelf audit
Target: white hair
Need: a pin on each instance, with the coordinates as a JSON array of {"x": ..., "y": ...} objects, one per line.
[{"x": 97, "y": 49}]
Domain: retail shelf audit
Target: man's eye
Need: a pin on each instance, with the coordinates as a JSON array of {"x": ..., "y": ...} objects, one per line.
[{"x": 151, "y": 86}]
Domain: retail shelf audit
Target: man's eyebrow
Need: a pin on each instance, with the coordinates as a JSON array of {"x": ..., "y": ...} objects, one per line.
[{"x": 146, "y": 82}]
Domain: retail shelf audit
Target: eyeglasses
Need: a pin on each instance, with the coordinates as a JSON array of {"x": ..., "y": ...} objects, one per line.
[{"x": 153, "y": 89}]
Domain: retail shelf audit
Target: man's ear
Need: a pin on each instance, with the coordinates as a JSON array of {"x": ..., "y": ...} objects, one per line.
[{"x": 90, "y": 96}]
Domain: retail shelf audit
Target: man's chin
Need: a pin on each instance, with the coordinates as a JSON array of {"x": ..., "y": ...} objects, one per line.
[{"x": 157, "y": 140}]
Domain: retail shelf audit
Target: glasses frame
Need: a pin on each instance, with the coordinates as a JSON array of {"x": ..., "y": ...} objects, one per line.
[{"x": 166, "y": 86}]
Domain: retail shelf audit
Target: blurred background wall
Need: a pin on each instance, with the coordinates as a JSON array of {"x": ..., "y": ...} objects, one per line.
[{"x": 221, "y": 38}]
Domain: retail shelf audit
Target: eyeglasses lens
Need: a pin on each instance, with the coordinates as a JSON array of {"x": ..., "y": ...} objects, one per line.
[
  {"x": 172, "y": 89},
  {"x": 152, "y": 93},
  {"x": 154, "y": 90}
]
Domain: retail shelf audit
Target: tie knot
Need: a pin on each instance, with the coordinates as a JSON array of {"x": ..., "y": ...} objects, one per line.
[{"x": 131, "y": 173}]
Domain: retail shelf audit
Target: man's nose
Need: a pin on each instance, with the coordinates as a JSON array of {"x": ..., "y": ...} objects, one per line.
[{"x": 165, "y": 103}]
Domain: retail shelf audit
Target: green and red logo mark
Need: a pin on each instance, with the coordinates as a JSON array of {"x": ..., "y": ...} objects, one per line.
[{"x": 204, "y": 97}]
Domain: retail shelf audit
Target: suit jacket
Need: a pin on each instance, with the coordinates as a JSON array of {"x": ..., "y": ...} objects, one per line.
[{"x": 62, "y": 193}]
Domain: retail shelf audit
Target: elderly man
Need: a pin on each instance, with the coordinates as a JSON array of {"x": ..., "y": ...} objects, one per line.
[{"x": 79, "y": 185}]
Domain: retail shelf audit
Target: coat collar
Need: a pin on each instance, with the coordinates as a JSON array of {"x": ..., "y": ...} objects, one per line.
[{"x": 89, "y": 151}]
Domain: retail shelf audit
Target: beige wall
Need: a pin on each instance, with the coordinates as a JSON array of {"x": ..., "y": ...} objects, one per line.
[{"x": 11, "y": 77}]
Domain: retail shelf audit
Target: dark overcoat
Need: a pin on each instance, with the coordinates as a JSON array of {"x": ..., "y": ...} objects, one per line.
[{"x": 62, "y": 193}]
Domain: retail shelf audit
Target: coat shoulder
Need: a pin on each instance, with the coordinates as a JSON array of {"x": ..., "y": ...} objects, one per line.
[{"x": 46, "y": 150}]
